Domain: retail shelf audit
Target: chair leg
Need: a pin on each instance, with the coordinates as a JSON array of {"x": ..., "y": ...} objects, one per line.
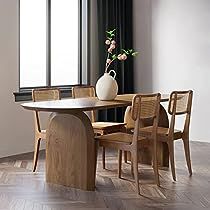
[
  {"x": 36, "y": 153},
  {"x": 135, "y": 165},
  {"x": 155, "y": 165},
  {"x": 171, "y": 156},
  {"x": 103, "y": 157},
  {"x": 125, "y": 157},
  {"x": 96, "y": 154},
  {"x": 119, "y": 163},
  {"x": 187, "y": 154},
  {"x": 132, "y": 173}
]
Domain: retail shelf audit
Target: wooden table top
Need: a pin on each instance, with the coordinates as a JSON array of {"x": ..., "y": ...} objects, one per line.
[{"x": 82, "y": 104}]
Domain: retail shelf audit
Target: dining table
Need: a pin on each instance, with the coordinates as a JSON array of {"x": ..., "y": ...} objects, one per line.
[{"x": 71, "y": 151}]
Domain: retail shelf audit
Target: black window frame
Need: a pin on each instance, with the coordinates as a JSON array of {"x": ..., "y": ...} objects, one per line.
[{"x": 25, "y": 94}]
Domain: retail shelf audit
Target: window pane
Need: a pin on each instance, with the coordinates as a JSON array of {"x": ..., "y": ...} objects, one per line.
[
  {"x": 32, "y": 43},
  {"x": 64, "y": 42}
]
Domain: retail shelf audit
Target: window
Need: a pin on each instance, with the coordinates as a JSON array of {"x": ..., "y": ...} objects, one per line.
[{"x": 49, "y": 43}]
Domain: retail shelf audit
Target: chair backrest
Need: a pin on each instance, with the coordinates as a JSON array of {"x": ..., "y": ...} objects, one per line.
[
  {"x": 44, "y": 94},
  {"x": 85, "y": 92},
  {"x": 180, "y": 103},
  {"x": 145, "y": 107}
]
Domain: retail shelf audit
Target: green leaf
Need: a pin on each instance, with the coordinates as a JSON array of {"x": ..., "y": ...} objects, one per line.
[
  {"x": 134, "y": 53},
  {"x": 108, "y": 34},
  {"x": 114, "y": 56},
  {"x": 111, "y": 32},
  {"x": 126, "y": 52}
]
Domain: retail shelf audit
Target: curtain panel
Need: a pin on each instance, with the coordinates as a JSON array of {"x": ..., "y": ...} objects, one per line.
[{"x": 116, "y": 14}]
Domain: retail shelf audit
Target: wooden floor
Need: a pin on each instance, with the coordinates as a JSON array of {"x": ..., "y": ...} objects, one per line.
[{"x": 22, "y": 189}]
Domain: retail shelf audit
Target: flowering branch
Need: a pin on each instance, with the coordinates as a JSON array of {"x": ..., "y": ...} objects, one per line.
[{"x": 111, "y": 43}]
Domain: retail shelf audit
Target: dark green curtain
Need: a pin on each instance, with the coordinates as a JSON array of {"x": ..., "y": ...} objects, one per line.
[{"x": 116, "y": 14}]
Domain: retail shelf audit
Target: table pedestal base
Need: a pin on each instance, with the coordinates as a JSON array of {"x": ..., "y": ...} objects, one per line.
[{"x": 70, "y": 151}]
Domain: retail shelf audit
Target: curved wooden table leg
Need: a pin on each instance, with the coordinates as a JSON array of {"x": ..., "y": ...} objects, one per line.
[{"x": 70, "y": 151}]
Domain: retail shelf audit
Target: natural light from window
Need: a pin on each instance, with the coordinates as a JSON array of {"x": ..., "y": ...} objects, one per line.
[
  {"x": 64, "y": 42},
  {"x": 33, "y": 43}
]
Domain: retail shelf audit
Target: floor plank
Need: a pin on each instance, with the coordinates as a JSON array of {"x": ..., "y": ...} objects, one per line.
[{"x": 22, "y": 189}]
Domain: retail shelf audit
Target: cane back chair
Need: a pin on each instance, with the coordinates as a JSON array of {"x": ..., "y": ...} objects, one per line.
[
  {"x": 143, "y": 107},
  {"x": 41, "y": 94},
  {"x": 180, "y": 103}
]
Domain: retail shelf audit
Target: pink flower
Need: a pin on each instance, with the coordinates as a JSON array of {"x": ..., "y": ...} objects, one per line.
[
  {"x": 109, "y": 50},
  {"x": 107, "y": 42},
  {"x": 124, "y": 56},
  {"x": 108, "y": 60},
  {"x": 113, "y": 42},
  {"x": 119, "y": 57},
  {"x": 112, "y": 46}
]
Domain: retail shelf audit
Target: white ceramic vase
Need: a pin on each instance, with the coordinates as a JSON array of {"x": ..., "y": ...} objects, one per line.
[{"x": 106, "y": 87}]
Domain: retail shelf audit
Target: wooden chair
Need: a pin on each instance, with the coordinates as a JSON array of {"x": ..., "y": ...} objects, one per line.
[
  {"x": 143, "y": 107},
  {"x": 44, "y": 94},
  {"x": 180, "y": 104},
  {"x": 100, "y": 128}
]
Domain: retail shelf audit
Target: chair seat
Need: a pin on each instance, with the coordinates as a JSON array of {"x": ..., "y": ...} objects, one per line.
[
  {"x": 162, "y": 132},
  {"x": 118, "y": 138},
  {"x": 107, "y": 125}
]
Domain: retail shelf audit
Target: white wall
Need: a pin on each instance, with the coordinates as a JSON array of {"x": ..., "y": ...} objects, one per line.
[
  {"x": 180, "y": 53},
  {"x": 16, "y": 124},
  {"x": 142, "y": 44}
]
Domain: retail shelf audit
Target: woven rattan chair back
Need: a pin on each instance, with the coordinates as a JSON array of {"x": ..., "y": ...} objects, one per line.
[
  {"x": 45, "y": 94},
  {"x": 145, "y": 107},
  {"x": 180, "y": 102},
  {"x": 85, "y": 92}
]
